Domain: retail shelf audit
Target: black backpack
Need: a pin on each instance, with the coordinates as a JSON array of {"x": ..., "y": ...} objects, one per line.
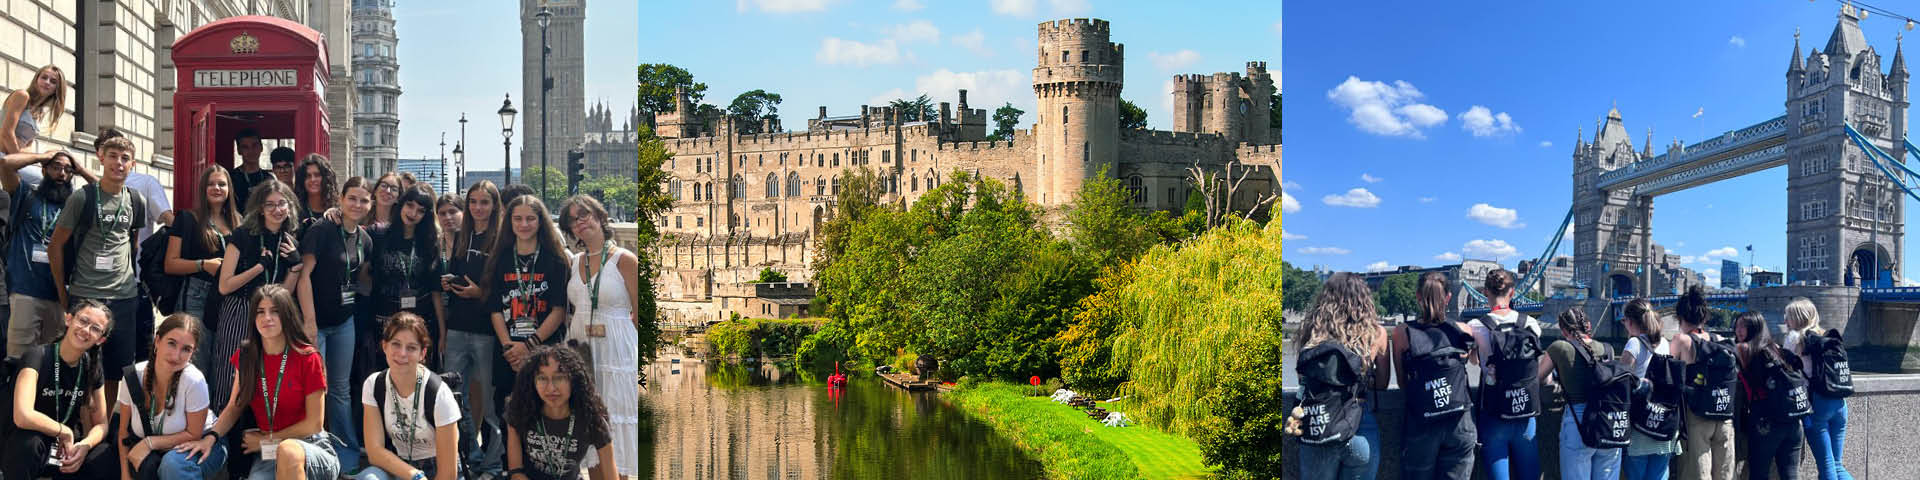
[
  {"x": 1656, "y": 409},
  {"x": 1775, "y": 387},
  {"x": 1832, "y": 376},
  {"x": 1606, "y": 420},
  {"x": 164, "y": 289},
  {"x": 1514, "y": 353},
  {"x": 1332, "y": 385},
  {"x": 1710, "y": 380},
  {"x": 90, "y": 210},
  {"x": 1436, "y": 364}
]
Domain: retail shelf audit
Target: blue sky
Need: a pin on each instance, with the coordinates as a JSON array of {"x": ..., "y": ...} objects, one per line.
[
  {"x": 842, "y": 54},
  {"x": 1467, "y": 118},
  {"x": 459, "y": 56}
]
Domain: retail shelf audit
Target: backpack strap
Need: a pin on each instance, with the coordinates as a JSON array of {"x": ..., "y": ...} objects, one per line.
[{"x": 380, "y": 404}]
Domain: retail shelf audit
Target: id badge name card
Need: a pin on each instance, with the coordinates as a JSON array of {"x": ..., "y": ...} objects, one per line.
[
  {"x": 524, "y": 327},
  {"x": 53, "y": 455},
  {"x": 268, "y": 448},
  {"x": 347, "y": 294},
  {"x": 597, "y": 330},
  {"x": 39, "y": 254},
  {"x": 408, "y": 300},
  {"x": 103, "y": 263}
]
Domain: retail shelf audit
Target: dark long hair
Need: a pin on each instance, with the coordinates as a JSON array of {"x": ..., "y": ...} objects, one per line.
[
  {"x": 173, "y": 322},
  {"x": 426, "y": 234},
  {"x": 1574, "y": 324},
  {"x": 494, "y": 222},
  {"x": 92, "y": 354},
  {"x": 1432, "y": 296},
  {"x": 1692, "y": 307},
  {"x": 204, "y": 211},
  {"x": 329, "y": 188},
  {"x": 252, "y": 349},
  {"x": 583, "y": 400}
]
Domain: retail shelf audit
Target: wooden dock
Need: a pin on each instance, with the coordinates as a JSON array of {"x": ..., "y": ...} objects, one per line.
[{"x": 908, "y": 382}]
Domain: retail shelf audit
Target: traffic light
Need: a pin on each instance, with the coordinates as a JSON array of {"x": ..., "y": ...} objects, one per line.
[{"x": 576, "y": 170}]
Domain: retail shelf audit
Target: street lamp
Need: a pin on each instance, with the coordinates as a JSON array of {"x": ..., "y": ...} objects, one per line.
[
  {"x": 506, "y": 131},
  {"x": 546, "y": 84},
  {"x": 460, "y": 154}
]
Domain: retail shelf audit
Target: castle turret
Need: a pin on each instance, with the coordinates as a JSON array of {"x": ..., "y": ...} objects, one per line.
[{"x": 1077, "y": 83}]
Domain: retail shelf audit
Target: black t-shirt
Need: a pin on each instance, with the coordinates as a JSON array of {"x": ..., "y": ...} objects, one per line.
[
  {"x": 337, "y": 259},
  {"x": 68, "y": 396},
  {"x": 470, "y": 260},
  {"x": 404, "y": 268},
  {"x": 193, "y": 242},
  {"x": 556, "y": 449},
  {"x": 243, "y": 183},
  {"x": 250, "y": 246},
  {"x": 527, "y": 288}
]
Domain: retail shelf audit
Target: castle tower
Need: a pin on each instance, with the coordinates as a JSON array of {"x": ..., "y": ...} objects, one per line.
[
  {"x": 1077, "y": 85},
  {"x": 376, "y": 67},
  {"x": 1844, "y": 218},
  {"x": 566, "y": 107},
  {"x": 1612, "y": 234}
]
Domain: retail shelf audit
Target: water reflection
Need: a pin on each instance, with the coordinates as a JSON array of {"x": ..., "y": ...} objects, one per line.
[{"x": 720, "y": 420}]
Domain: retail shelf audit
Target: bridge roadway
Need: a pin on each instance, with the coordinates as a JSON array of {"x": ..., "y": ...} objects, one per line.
[{"x": 1735, "y": 153}]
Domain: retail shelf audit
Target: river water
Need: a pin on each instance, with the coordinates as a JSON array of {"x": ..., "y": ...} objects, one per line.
[{"x": 730, "y": 421}]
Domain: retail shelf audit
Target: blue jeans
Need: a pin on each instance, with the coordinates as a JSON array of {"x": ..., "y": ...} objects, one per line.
[
  {"x": 1579, "y": 462},
  {"x": 336, "y": 344},
  {"x": 1827, "y": 436},
  {"x": 1357, "y": 460},
  {"x": 472, "y": 355},
  {"x": 1648, "y": 467},
  {"x": 321, "y": 462},
  {"x": 176, "y": 466},
  {"x": 1508, "y": 447}
]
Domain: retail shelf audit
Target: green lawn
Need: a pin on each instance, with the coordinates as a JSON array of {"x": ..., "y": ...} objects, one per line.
[{"x": 1072, "y": 446}]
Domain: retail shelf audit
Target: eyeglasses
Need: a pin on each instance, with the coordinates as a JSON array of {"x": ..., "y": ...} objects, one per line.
[
  {"x": 95, "y": 328},
  {"x": 389, "y": 188},
  {"x": 276, "y": 205}
]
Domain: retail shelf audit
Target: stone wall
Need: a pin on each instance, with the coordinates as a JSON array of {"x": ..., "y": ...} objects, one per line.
[{"x": 1880, "y": 425}]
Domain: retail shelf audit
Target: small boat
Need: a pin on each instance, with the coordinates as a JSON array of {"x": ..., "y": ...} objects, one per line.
[{"x": 837, "y": 380}]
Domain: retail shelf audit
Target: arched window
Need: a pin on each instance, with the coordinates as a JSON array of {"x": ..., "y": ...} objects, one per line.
[
  {"x": 696, "y": 191},
  {"x": 930, "y": 177},
  {"x": 793, "y": 184},
  {"x": 819, "y": 186},
  {"x": 1063, "y": 114},
  {"x": 914, "y": 183},
  {"x": 736, "y": 188},
  {"x": 773, "y": 185},
  {"x": 836, "y": 184},
  {"x": 1137, "y": 185}
]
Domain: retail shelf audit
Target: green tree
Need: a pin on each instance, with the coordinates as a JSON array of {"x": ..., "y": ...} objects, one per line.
[
  {"x": 617, "y": 192},
  {"x": 1132, "y": 117},
  {"x": 556, "y": 182},
  {"x": 1396, "y": 295},
  {"x": 1104, "y": 225},
  {"x": 749, "y": 108},
  {"x": 656, "y": 82},
  {"x": 918, "y": 109},
  {"x": 859, "y": 193},
  {"x": 649, "y": 201},
  {"x": 769, "y": 275},
  {"x": 1301, "y": 287},
  {"x": 1005, "y": 119}
]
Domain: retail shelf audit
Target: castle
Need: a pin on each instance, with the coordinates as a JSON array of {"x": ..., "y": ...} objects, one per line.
[{"x": 747, "y": 202}]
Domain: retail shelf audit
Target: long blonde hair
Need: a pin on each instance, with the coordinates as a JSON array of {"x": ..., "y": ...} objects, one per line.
[
  {"x": 55, "y": 103},
  {"x": 1343, "y": 313},
  {"x": 1802, "y": 317}
]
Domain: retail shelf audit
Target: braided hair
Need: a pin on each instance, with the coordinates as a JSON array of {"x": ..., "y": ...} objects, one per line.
[{"x": 173, "y": 322}]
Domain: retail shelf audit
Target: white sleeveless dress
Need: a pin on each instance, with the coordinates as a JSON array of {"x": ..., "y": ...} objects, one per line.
[{"x": 616, "y": 357}]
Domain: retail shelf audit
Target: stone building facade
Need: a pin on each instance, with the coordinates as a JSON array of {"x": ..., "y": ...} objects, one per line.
[
  {"x": 117, "y": 56},
  {"x": 567, "y": 102},
  {"x": 612, "y": 148},
  {"x": 747, "y": 202},
  {"x": 376, "y": 69}
]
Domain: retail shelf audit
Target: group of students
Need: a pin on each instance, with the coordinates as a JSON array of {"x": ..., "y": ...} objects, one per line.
[
  {"x": 1688, "y": 395},
  {"x": 290, "y": 286}
]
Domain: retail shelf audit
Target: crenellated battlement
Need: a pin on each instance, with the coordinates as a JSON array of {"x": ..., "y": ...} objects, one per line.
[
  {"x": 1075, "y": 27},
  {"x": 1163, "y": 137}
]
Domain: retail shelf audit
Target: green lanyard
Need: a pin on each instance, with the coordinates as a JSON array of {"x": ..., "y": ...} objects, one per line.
[
  {"x": 353, "y": 260},
  {"x": 118, "y": 210},
  {"x": 275, "y": 255},
  {"x": 48, "y": 216},
  {"x": 67, "y": 413},
  {"x": 593, "y": 292},
  {"x": 525, "y": 272},
  {"x": 158, "y": 410},
  {"x": 409, "y": 431},
  {"x": 273, "y": 400}
]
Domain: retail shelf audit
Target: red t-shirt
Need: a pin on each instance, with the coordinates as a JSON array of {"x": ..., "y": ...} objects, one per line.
[{"x": 306, "y": 373}]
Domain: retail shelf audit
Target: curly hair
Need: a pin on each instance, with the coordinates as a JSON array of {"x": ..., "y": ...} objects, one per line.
[
  {"x": 1344, "y": 312},
  {"x": 523, "y": 406},
  {"x": 255, "y": 219},
  {"x": 329, "y": 183}
]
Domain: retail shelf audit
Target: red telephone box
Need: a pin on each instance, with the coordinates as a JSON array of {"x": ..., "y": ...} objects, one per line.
[{"x": 265, "y": 73}]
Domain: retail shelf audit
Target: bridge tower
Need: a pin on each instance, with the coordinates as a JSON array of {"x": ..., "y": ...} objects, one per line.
[
  {"x": 1845, "y": 220},
  {"x": 1612, "y": 236}
]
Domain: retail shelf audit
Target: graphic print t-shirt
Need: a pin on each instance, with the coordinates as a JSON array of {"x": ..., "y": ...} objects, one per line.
[
  {"x": 527, "y": 295},
  {"x": 552, "y": 453},
  {"x": 67, "y": 396},
  {"x": 110, "y": 238}
]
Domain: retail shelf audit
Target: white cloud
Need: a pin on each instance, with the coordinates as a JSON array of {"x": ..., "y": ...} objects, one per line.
[
  {"x": 1018, "y": 8},
  {"x": 976, "y": 42},
  {"x": 1489, "y": 249},
  {"x": 1447, "y": 257},
  {"x": 1287, "y": 235},
  {"x": 1567, "y": 232},
  {"x": 1383, "y": 109},
  {"x": 1484, "y": 123},
  {"x": 1289, "y": 185},
  {"x": 1379, "y": 266},
  {"x": 984, "y": 88},
  {"x": 1426, "y": 199},
  {"x": 908, "y": 5},
  {"x": 1175, "y": 60},
  {"x": 1358, "y": 197},
  {"x": 1323, "y": 251},
  {"x": 834, "y": 51},
  {"x": 782, "y": 6},
  {"x": 1544, "y": 144},
  {"x": 1370, "y": 178},
  {"x": 1491, "y": 215},
  {"x": 1728, "y": 252},
  {"x": 1737, "y": 41},
  {"x": 887, "y": 97},
  {"x": 1287, "y": 203},
  {"x": 915, "y": 31}
]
